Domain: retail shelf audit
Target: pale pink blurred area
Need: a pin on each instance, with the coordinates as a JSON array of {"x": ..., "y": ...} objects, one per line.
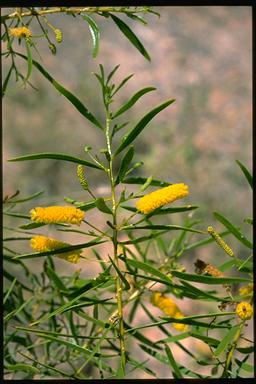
[{"x": 202, "y": 57}]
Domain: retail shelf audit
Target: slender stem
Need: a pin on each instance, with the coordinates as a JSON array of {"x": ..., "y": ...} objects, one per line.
[
  {"x": 97, "y": 229},
  {"x": 115, "y": 244},
  {"x": 232, "y": 350},
  {"x": 74, "y": 11}
]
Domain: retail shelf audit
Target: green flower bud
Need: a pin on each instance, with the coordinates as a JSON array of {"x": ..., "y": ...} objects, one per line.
[
  {"x": 58, "y": 35},
  {"x": 81, "y": 176}
]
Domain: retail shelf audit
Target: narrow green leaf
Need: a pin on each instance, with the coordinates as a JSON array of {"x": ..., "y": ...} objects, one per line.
[
  {"x": 142, "y": 180},
  {"x": 95, "y": 322},
  {"x": 147, "y": 268},
  {"x": 18, "y": 310},
  {"x": 95, "y": 32},
  {"x": 139, "y": 336},
  {"x": 236, "y": 232},
  {"x": 137, "y": 18},
  {"x": 72, "y": 98},
  {"x": 82, "y": 350},
  {"x": 102, "y": 262},
  {"x": 9, "y": 290},
  {"x": 173, "y": 339},
  {"x": 164, "y": 211},
  {"x": 102, "y": 206},
  {"x": 81, "y": 204},
  {"x": 58, "y": 156},
  {"x": 48, "y": 367},
  {"x": 10, "y": 277},
  {"x": 199, "y": 293},
  {"x": 162, "y": 227},
  {"x": 246, "y": 367},
  {"x": 16, "y": 214},
  {"x": 111, "y": 74},
  {"x": 56, "y": 280},
  {"x": 208, "y": 279},
  {"x": 141, "y": 125},
  {"x": 245, "y": 350},
  {"x": 130, "y": 35},
  {"x": 18, "y": 238},
  {"x": 201, "y": 243},
  {"x": 133, "y": 310},
  {"x": 6, "y": 81},
  {"x": 133, "y": 100},
  {"x": 159, "y": 356},
  {"x": 102, "y": 278},
  {"x": 125, "y": 162},
  {"x": 29, "y": 60},
  {"x": 48, "y": 332},
  {"x": 245, "y": 171},
  {"x": 33, "y": 196},
  {"x": 146, "y": 184},
  {"x": 208, "y": 340},
  {"x": 141, "y": 365},
  {"x": 172, "y": 362},
  {"x": 120, "y": 374},
  {"x": 126, "y": 283},
  {"x": 227, "y": 265},
  {"x": 100, "y": 80},
  {"x": 31, "y": 225},
  {"x": 187, "y": 320},
  {"x": 58, "y": 251},
  {"x": 143, "y": 238},
  {"x": 164, "y": 359},
  {"x": 131, "y": 209},
  {"x": 65, "y": 307},
  {"x": 226, "y": 341},
  {"x": 22, "y": 367},
  {"x": 123, "y": 82},
  {"x": 246, "y": 265}
]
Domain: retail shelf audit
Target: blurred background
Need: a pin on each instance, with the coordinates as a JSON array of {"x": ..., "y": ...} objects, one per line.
[{"x": 201, "y": 56}]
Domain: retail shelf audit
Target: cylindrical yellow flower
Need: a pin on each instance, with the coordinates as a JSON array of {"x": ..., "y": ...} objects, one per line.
[
  {"x": 157, "y": 199},
  {"x": 44, "y": 244},
  {"x": 57, "y": 214},
  {"x": 169, "y": 307},
  {"x": 246, "y": 290},
  {"x": 20, "y": 32},
  {"x": 244, "y": 310}
]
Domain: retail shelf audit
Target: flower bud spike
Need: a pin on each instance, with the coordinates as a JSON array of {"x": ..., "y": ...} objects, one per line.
[
  {"x": 81, "y": 176},
  {"x": 58, "y": 35},
  {"x": 220, "y": 241}
]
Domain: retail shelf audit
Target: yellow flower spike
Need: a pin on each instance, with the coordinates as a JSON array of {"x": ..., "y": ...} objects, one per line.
[
  {"x": 44, "y": 244},
  {"x": 246, "y": 290},
  {"x": 220, "y": 241},
  {"x": 57, "y": 214},
  {"x": 160, "y": 197},
  {"x": 20, "y": 32},
  {"x": 169, "y": 307},
  {"x": 244, "y": 310}
]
